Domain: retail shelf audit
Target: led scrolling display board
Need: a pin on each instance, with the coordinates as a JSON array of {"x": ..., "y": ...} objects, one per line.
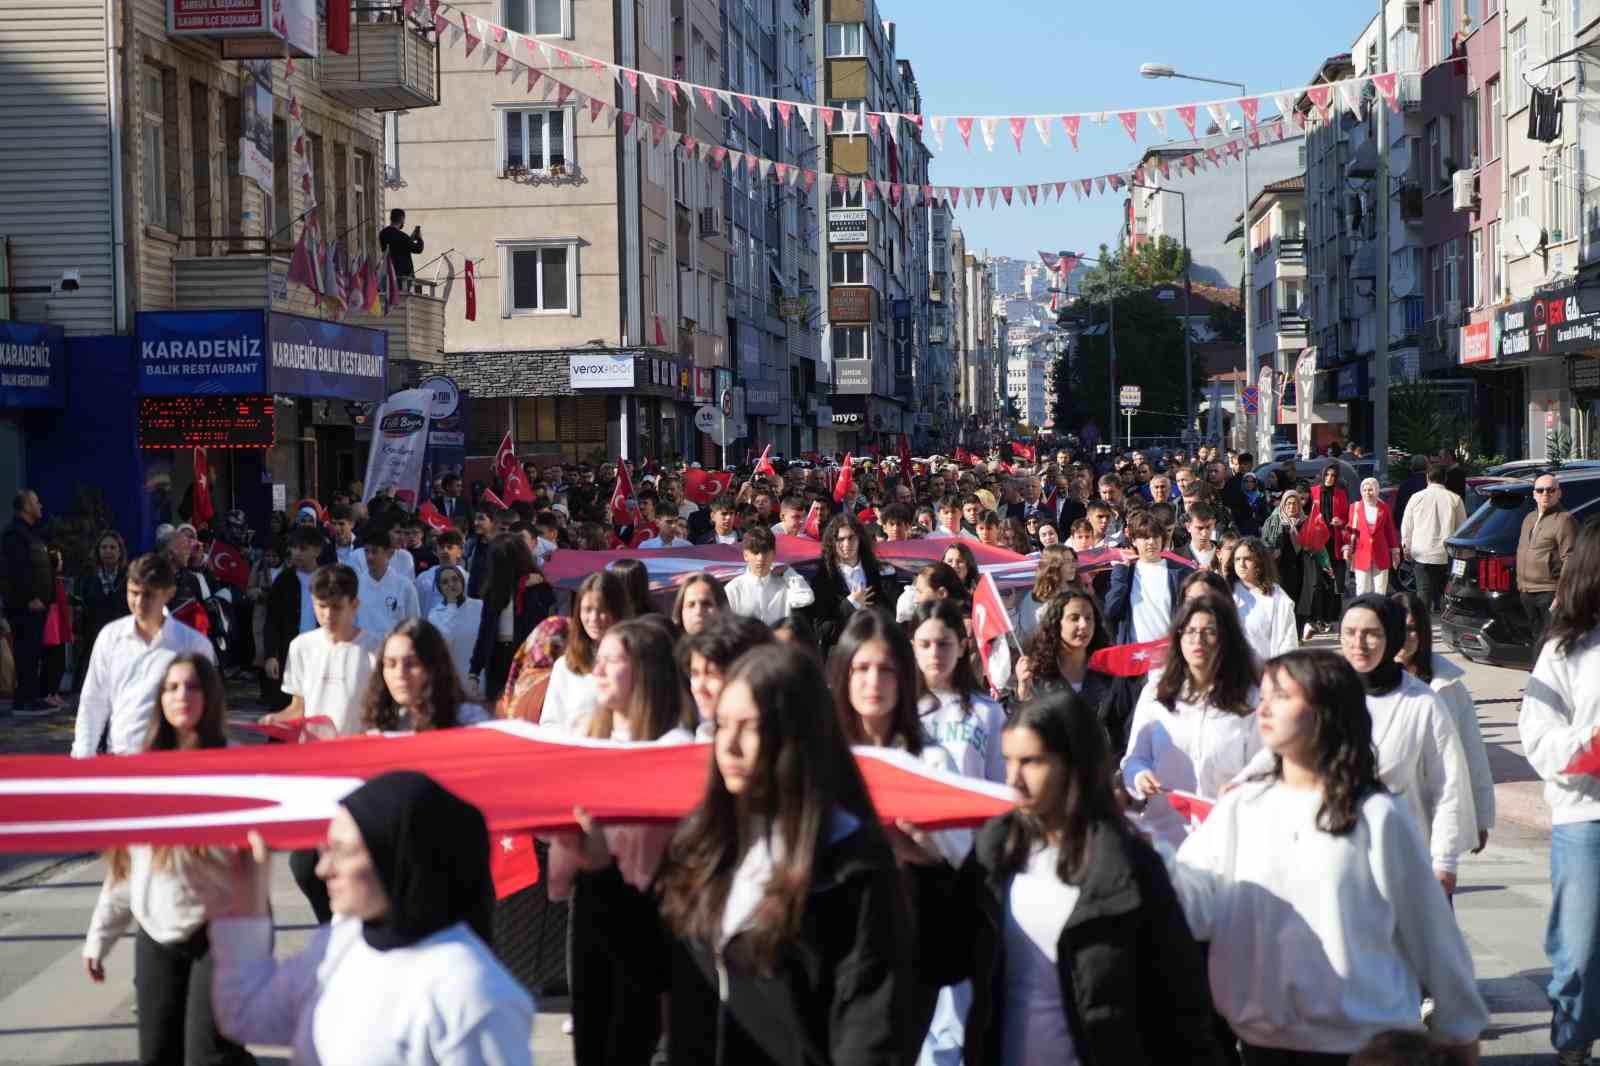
[{"x": 205, "y": 422}]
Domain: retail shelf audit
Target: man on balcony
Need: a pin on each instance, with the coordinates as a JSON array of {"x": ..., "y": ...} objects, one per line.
[{"x": 398, "y": 246}]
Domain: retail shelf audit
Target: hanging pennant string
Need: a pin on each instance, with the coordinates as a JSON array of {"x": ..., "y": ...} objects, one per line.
[
  {"x": 1199, "y": 154},
  {"x": 509, "y": 45}
]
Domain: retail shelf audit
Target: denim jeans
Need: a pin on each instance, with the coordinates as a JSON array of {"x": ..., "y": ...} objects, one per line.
[{"x": 1572, "y": 937}]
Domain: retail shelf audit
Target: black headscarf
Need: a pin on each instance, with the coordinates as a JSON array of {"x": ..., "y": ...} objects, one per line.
[
  {"x": 1387, "y": 675},
  {"x": 431, "y": 850}
]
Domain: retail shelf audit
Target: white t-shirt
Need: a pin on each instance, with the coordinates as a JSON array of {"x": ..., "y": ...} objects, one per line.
[
  {"x": 331, "y": 678},
  {"x": 656, "y": 542},
  {"x": 401, "y": 560},
  {"x": 1151, "y": 600},
  {"x": 1034, "y": 1020},
  {"x": 387, "y": 603},
  {"x": 458, "y": 622},
  {"x": 971, "y": 735}
]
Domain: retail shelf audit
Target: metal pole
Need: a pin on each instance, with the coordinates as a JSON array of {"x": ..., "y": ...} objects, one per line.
[
  {"x": 1247, "y": 293},
  {"x": 1380, "y": 388},
  {"x": 1111, "y": 346},
  {"x": 1188, "y": 311}
]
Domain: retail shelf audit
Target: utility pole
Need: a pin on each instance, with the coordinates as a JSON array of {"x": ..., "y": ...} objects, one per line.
[{"x": 1380, "y": 387}]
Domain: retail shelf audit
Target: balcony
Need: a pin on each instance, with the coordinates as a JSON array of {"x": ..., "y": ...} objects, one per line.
[
  {"x": 1293, "y": 325},
  {"x": 1291, "y": 249},
  {"x": 260, "y": 282},
  {"x": 393, "y": 63},
  {"x": 1411, "y": 210}
]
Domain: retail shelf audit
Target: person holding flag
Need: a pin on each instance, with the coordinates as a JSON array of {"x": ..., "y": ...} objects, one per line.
[
  {"x": 848, "y": 578},
  {"x": 1069, "y": 633}
]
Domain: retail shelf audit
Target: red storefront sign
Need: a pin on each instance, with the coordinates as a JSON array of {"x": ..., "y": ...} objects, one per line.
[{"x": 1475, "y": 346}]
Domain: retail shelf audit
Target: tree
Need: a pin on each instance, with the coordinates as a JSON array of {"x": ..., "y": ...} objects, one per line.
[
  {"x": 1149, "y": 354},
  {"x": 1422, "y": 419},
  {"x": 1152, "y": 263}
]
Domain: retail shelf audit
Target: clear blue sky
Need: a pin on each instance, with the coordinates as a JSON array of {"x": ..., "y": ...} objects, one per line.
[{"x": 1028, "y": 56}]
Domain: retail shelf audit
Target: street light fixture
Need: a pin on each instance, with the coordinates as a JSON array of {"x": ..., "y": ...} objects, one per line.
[{"x": 1165, "y": 70}]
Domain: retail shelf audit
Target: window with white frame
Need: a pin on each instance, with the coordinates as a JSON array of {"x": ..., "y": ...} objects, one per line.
[
  {"x": 1452, "y": 271},
  {"x": 839, "y": 199},
  {"x": 155, "y": 148},
  {"x": 538, "y": 277},
  {"x": 1475, "y": 291},
  {"x": 757, "y": 268},
  {"x": 845, "y": 40},
  {"x": 851, "y": 342},
  {"x": 537, "y": 18},
  {"x": 1496, "y": 263},
  {"x": 1518, "y": 47},
  {"x": 1291, "y": 292},
  {"x": 536, "y": 138},
  {"x": 683, "y": 179},
  {"x": 653, "y": 165},
  {"x": 1554, "y": 31},
  {"x": 661, "y": 279},
  {"x": 1521, "y": 195},
  {"x": 1469, "y": 130},
  {"x": 1435, "y": 280},
  {"x": 1561, "y": 181},
  {"x": 1444, "y": 26},
  {"x": 1496, "y": 119},
  {"x": 847, "y": 268},
  {"x": 705, "y": 317},
  {"x": 655, "y": 25}
]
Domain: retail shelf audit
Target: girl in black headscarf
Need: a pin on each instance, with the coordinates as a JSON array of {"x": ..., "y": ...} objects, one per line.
[{"x": 407, "y": 869}]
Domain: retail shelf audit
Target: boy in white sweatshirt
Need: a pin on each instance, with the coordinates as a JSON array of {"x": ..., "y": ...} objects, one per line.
[
  {"x": 760, "y": 593},
  {"x": 1560, "y": 720}
]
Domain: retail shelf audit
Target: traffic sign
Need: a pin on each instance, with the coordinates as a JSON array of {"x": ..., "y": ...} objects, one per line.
[
  {"x": 1130, "y": 396},
  {"x": 1251, "y": 398}
]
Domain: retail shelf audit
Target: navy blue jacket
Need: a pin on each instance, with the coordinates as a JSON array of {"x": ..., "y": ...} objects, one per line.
[{"x": 1119, "y": 597}]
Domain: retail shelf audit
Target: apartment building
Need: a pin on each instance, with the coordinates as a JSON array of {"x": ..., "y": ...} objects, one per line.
[
  {"x": 773, "y": 237},
  {"x": 599, "y": 259},
  {"x": 937, "y": 387},
  {"x": 875, "y": 270},
  {"x": 155, "y": 186},
  {"x": 981, "y": 370},
  {"x": 1277, "y": 250},
  {"x": 1028, "y": 360}
]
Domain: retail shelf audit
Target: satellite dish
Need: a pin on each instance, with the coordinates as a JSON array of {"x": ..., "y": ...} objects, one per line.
[
  {"x": 1402, "y": 279},
  {"x": 1523, "y": 236}
]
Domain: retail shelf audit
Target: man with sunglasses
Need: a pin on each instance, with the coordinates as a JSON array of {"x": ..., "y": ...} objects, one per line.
[{"x": 1548, "y": 532}]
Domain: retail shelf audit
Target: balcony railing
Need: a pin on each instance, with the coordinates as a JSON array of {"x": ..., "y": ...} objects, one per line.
[
  {"x": 1291, "y": 249},
  {"x": 393, "y": 62},
  {"x": 1293, "y": 325}
]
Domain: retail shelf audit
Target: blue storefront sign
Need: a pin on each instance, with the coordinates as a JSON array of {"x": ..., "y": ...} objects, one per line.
[
  {"x": 232, "y": 353},
  {"x": 33, "y": 366}
]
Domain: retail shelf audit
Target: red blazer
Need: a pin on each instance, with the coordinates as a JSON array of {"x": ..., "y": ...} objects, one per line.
[
  {"x": 1341, "y": 509},
  {"x": 1374, "y": 542}
]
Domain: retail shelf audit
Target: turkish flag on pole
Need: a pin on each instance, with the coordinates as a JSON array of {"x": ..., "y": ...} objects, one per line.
[
  {"x": 432, "y": 518},
  {"x": 703, "y": 486},
  {"x": 764, "y": 464},
  {"x": 472, "y": 286},
  {"x": 505, "y": 457},
  {"x": 903, "y": 450},
  {"x": 845, "y": 487},
  {"x": 622, "y": 505},
  {"x": 339, "y": 27},
  {"x": 517, "y": 485},
  {"x": 201, "y": 510},
  {"x": 1022, "y": 451},
  {"x": 813, "y": 526},
  {"x": 991, "y": 624},
  {"x": 227, "y": 564},
  {"x": 962, "y": 455},
  {"x": 493, "y": 500},
  {"x": 1191, "y": 808}
]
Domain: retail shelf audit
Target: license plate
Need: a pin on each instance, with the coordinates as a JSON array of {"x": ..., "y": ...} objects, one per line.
[{"x": 1458, "y": 568}]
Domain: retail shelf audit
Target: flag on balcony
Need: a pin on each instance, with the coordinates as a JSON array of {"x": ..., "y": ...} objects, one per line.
[
  {"x": 339, "y": 27},
  {"x": 390, "y": 285},
  {"x": 302, "y": 270},
  {"x": 472, "y": 294},
  {"x": 371, "y": 299}
]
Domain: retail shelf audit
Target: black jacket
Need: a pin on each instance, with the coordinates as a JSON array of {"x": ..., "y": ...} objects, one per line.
[
  {"x": 1402, "y": 496},
  {"x": 283, "y": 616},
  {"x": 100, "y": 603},
  {"x": 400, "y": 246},
  {"x": 29, "y": 574},
  {"x": 831, "y": 609},
  {"x": 840, "y": 995},
  {"x": 536, "y": 603},
  {"x": 1132, "y": 978},
  {"x": 1245, "y": 519}
]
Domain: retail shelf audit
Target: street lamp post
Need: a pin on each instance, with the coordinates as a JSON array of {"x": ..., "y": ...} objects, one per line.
[
  {"x": 1163, "y": 70},
  {"x": 1188, "y": 303}
]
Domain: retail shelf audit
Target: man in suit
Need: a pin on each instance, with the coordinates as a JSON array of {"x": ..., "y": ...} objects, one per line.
[
  {"x": 1144, "y": 587},
  {"x": 450, "y": 497},
  {"x": 724, "y": 523}
]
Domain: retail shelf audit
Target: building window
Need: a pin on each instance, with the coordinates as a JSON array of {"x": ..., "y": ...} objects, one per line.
[
  {"x": 155, "y": 149},
  {"x": 1452, "y": 271},
  {"x": 536, "y": 138},
  {"x": 661, "y": 279},
  {"x": 1518, "y": 46},
  {"x": 538, "y": 18},
  {"x": 539, "y": 277},
  {"x": 1290, "y": 294},
  {"x": 850, "y": 342},
  {"x": 655, "y": 25},
  {"x": 653, "y": 168},
  {"x": 844, "y": 198},
  {"x": 1521, "y": 195},
  {"x": 845, "y": 40},
  {"x": 1469, "y": 130},
  {"x": 1555, "y": 37},
  {"x": 847, "y": 268},
  {"x": 1496, "y": 119},
  {"x": 1496, "y": 263},
  {"x": 1264, "y": 305},
  {"x": 366, "y": 205},
  {"x": 1475, "y": 277}
]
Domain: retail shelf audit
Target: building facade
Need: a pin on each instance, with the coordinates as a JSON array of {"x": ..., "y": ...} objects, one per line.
[{"x": 156, "y": 186}]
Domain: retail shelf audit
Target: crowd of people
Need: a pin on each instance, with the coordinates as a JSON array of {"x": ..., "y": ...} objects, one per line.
[{"x": 1104, "y": 919}]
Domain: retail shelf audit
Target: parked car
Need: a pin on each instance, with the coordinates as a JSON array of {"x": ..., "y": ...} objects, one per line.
[
  {"x": 1482, "y": 616},
  {"x": 1535, "y": 467}
]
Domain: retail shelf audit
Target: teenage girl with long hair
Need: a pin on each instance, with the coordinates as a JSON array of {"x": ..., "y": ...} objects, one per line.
[
  {"x": 416, "y": 688},
  {"x": 1071, "y": 629},
  {"x": 848, "y": 579},
  {"x": 699, "y": 598},
  {"x": 778, "y": 922},
  {"x": 1063, "y": 918},
  {"x": 1052, "y": 578},
  {"x": 1310, "y": 881},
  {"x": 1194, "y": 727},
  {"x": 164, "y": 889},
  {"x": 956, "y": 713},
  {"x": 1266, "y": 611},
  {"x": 516, "y": 598},
  {"x": 600, "y": 603}
]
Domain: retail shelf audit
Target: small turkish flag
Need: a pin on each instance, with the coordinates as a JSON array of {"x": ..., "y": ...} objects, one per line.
[
  {"x": 622, "y": 506},
  {"x": 813, "y": 526},
  {"x": 472, "y": 294},
  {"x": 1130, "y": 660},
  {"x": 201, "y": 509},
  {"x": 517, "y": 485},
  {"x": 193, "y": 615},
  {"x": 513, "y": 863},
  {"x": 845, "y": 487},
  {"x": 1191, "y": 808},
  {"x": 704, "y": 486},
  {"x": 505, "y": 457},
  {"x": 990, "y": 624},
  {"x": 227, "y": 564},
  {"x": 494, "y": 501},
  {"x": 434, "y": 520},
  {"x": 764, "y": 464}
]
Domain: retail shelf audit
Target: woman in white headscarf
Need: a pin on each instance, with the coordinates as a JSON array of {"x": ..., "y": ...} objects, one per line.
[{"x": 1375, "y": 546}]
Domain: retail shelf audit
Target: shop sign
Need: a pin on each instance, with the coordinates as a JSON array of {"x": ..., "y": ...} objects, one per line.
[
  {"x": 236, "y": 353},
  {"x": 850, "y": 304},
  {"x": 314, "y": 357},
  {"x": 256, "y": 28},
  {"x": 33, "y": 366},
  {"x": 852, "y": 376},
  {"x": 847, "y": 226},
  {"x": 1548, "y": 325},
  {"x": 761, "y": 397},
  {"x": 1584, "y": 375},
  {"x": 849, "y": 419},
  {"x": 600, "y": 372},
  {"x": 1350, "y": 384},
  {"x": 1475, "y": 346},
  {"x": 705, "y": 384}
]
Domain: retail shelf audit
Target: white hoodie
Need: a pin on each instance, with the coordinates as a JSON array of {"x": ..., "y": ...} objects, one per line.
[{"x": 1560, "y": 713}]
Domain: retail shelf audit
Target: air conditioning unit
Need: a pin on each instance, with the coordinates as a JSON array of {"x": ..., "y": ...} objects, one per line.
[
  {"x": 1452, "y": 313},
  {"x": 1464, "y": 190},
  {"x": 1413, "y": 16},
  {"x": 710, "y": 222}
]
